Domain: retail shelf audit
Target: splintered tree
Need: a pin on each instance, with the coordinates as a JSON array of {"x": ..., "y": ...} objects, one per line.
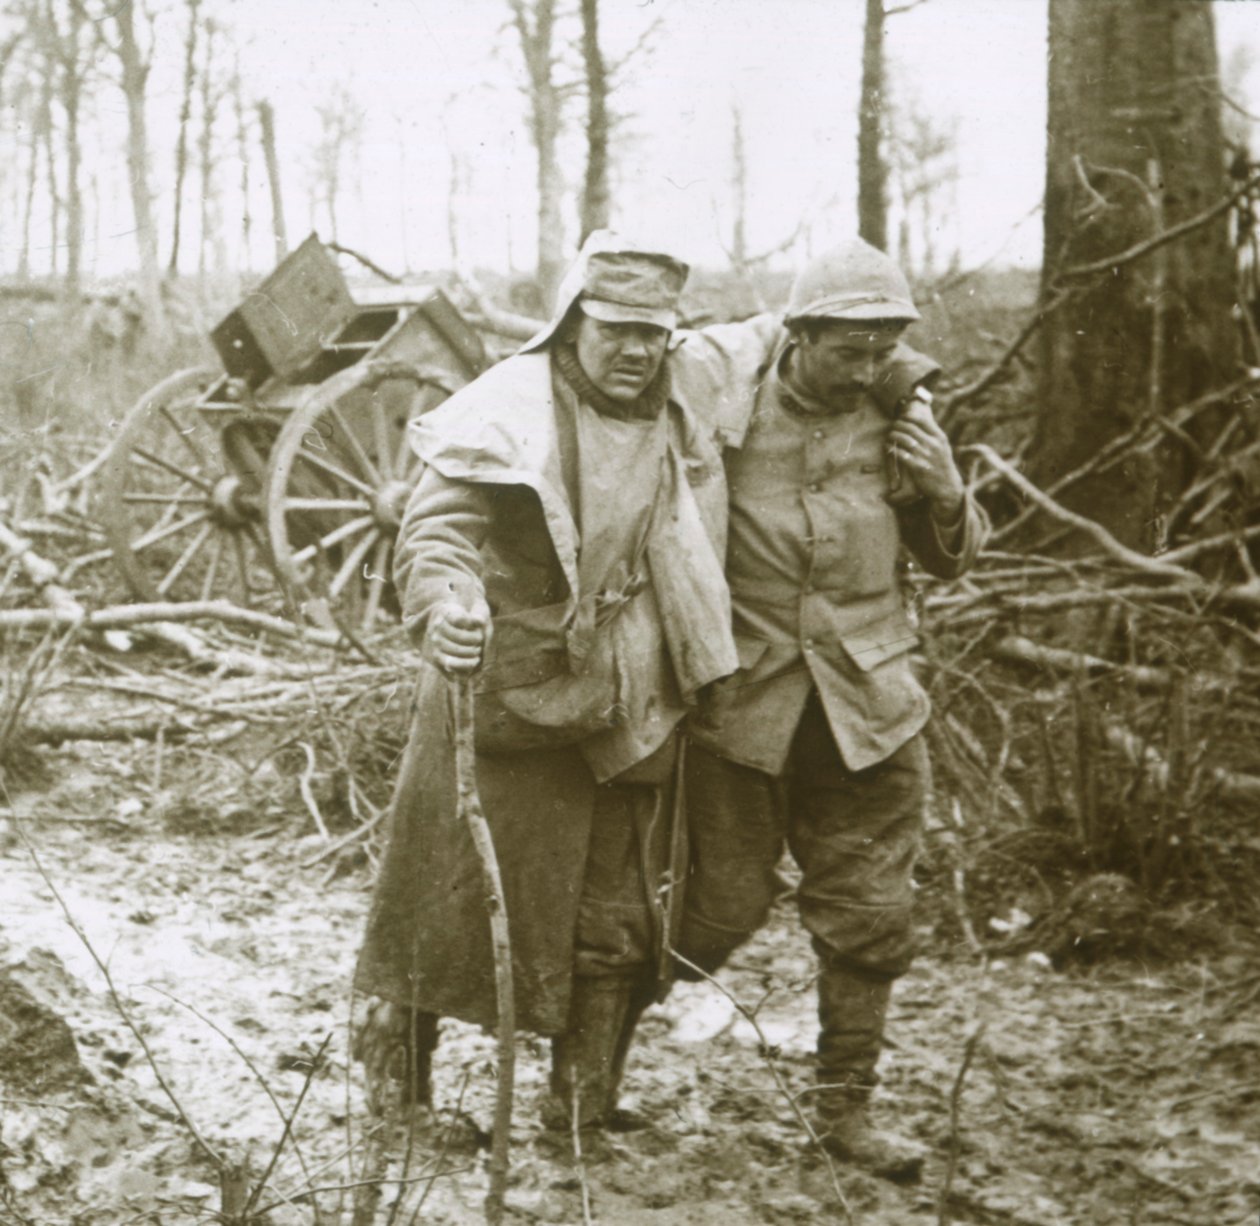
[{"x": 1133, "y": 327}]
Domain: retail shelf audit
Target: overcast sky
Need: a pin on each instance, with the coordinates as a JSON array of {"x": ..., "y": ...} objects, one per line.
[{"x": 437, "y": 77}]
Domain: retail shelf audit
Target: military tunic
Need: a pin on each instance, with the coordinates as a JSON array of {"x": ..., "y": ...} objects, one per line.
[{"x": 814, "y": 741}]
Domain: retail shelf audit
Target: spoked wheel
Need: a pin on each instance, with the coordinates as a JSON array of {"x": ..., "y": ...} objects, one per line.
[
  {"x": 340, "y": 475},
  {"x": 182, "y": 522}
]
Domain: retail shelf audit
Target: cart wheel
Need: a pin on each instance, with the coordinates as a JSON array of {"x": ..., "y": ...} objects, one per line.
[
  {"x": 340, "y": 475},
  {"x": 180, "y": 521}
]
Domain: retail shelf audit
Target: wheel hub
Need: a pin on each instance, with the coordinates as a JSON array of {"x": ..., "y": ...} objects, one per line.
[
  {"x": 230, "y": 503},
  {"x": 391, "y": 499}
]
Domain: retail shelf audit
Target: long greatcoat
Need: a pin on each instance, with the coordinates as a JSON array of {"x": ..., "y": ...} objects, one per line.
[{"x": 493, "y": 515}]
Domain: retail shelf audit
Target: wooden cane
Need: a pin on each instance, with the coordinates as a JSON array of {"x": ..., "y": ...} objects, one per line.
[{"x": 471, "y": 814}]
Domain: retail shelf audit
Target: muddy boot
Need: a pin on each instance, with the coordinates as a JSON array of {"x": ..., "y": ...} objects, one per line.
[
  {"x": 619, "y": 1119},
  {"x": 395, "y": 1046},
  {"x": 588, "y": 1058},
  {"x": 418, "y": 1064},
  {"x": 851, "y": 1010}
]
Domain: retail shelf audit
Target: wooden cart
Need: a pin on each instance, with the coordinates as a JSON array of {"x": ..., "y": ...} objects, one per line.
[{"x": 281, "y": 477}]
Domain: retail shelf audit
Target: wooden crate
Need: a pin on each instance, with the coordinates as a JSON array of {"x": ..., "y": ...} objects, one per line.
[{"x": 281, "y": 324}]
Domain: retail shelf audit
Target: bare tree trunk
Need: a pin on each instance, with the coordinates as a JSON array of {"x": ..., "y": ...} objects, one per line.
[
  {"x": 535, "y": 25},
  {"x": 550, "y": 220},
  {"x": 74, "y": 191},
  {"x": 739, "y": 186},
  {"x": 28, "y": 204},
  {"x": 872, "y": 201},
  {"x": 242, "y": 154},
  {"x": 47, "y": 132},
  {"x": 1135, "y": 146},
  {"x": 452, "y": 209},
  {"x": 596, "y": 197},
  {"x": 135, "y": 78},
  {"x": 185, "y": 115},
  {"x": 209, "y": 98},
  {"x": 267, "y": 122}
]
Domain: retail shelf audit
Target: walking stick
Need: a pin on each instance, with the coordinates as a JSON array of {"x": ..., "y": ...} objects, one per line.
[{"x": 470, "y": 813}]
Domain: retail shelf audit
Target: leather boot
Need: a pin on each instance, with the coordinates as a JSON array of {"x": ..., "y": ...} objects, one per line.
[
  {"x": 590, "y": 1055},
  {"x": 396, "y": 1046},
  {"x": 418, "y": 1071},
  {"x": 851, "y": 1012},
  {"x": 641, "y": 996}
]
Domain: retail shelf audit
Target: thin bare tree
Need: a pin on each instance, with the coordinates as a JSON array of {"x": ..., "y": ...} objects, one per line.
[
  {"x": 241, "y": 115},
  {"x": 872, "y": 165},
  {"x": 535, "y": 25},
  {"x": 210, "y": 95},
  {"x": 267, "y": 133},
  {"x": 119, "y": 17},
  {"x": 341, "y": 125},
  {"x": 596, "y": 205},
  {"x": 185, "y": 117}
]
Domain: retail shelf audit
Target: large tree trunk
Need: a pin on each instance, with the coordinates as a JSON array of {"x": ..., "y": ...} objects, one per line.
[
  {"x": 872, "y": 172},
  {"x": 1135, "y": 147},
  {"x": 267, "y": 122},
  {"x": 596, "y": 197}
]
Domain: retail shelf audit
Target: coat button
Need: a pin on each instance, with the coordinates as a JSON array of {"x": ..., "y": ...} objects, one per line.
[
  {"x": 818, "y": 434},
  {"x": 813, "y": 487}
]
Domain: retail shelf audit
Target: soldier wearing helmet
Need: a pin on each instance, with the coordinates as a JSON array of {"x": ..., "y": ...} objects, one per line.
[{"x": 833, "y": 466}]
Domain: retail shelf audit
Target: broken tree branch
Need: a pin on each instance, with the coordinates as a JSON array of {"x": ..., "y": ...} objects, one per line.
[
  {"x": 1129, "y": 254},
  {"x": 473, "y": 816}
]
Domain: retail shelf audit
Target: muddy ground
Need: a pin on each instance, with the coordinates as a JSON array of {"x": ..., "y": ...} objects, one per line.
[{"x": 1126, "y": 1092}]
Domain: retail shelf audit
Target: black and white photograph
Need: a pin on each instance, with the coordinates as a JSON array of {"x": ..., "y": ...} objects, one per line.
[{"x": 630, "y": 612}]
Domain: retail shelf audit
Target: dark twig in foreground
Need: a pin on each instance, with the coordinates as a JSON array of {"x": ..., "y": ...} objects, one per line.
[
  {"x": 955, "y": 1111},
  {"x": 473, "y": 817},
  {"x": 288, "y": 1125}
]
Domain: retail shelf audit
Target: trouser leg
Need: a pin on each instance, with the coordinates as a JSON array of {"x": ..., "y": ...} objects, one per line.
[
  {"x": 855, "y": 835},
  {"x": 735, "y": 835},
  {"x": 615, "y": 962}
]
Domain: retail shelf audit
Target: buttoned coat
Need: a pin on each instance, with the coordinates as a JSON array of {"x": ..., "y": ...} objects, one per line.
[{"x": 813, "y": 549}]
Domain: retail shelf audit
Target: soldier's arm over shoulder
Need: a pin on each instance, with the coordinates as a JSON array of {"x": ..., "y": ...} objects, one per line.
[{"x": 717, "y": 370}]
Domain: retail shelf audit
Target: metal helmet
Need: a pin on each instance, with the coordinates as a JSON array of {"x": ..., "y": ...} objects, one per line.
[{"x": 855, "y": 281}]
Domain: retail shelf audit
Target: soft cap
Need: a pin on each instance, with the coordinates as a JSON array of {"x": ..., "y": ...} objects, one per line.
[
  {"x": 616, "y": 279},
  {"x": 641, "y": 287}
]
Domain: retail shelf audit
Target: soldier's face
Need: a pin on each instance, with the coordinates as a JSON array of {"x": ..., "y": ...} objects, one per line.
[
  {"x": 843, "y": 360},
  {"x": 621, "y": 359}
]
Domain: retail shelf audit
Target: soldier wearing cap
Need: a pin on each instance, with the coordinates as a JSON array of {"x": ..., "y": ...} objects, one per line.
[
  {"x": 564, "y": 545},
  {"x": 833, "y": 467}
]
